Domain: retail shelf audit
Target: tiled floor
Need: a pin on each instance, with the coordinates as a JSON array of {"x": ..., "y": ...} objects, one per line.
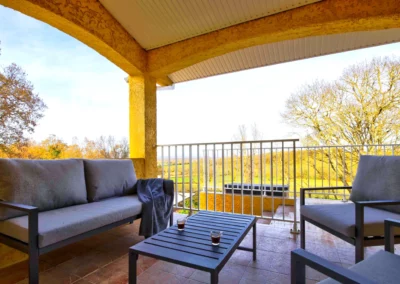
[{"x": 103, "y": 259}]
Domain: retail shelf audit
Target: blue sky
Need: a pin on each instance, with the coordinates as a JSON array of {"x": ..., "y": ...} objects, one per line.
[{"x": 87, "y": 96}]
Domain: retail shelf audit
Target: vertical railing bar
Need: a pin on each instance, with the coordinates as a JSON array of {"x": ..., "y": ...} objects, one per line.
[
  {"x": 344, "y": 172},
  {"x": 190, "y": 180},
  {"x": 251, "y": 176},
  {"x": 351, "y": 163},
  {"x": 198, "y": 177},
  {"x": 241, "y": 172},
  {"x": 271, "y": 187},
  {"x": 206, "y": 174},
  {"x": 169, "y": 162},
  {"x": 308, "y": 167},
  {"x": 233, "y": 190},
  {"x": 162, "y": 161},
  {"x": 315, "y": 167},
  {"x": 176, "y": 176},
  {"x": 337, "y": 177},
  {"x": 223, "y": 176},
  {"x": 295, "y": 230},
  {"x": 329, "y": 168},
  {"x": 215, "y": 178},
  {"x": 322, "y": 166},
  {"x": 283, "y": 179},
  {"x": 183, "y": 177},
  {"x": 301, "y": 168},
  {"x": 392, "y": 150},
  {"x": 261, "y": 181}
]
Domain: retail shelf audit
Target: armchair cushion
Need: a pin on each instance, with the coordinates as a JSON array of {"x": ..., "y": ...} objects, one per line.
[
  {"x": 377, "y": 178},
  {"x": 46, "y": 184},
  {"x": 382, "y": 267},
  {"x": 109, "y": 178},
  {"x": 341, "y": 218}
]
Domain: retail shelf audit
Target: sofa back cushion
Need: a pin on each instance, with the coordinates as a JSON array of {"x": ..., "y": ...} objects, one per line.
[
  {"x": 46, "y": 184},
  {"x": 377, "y": 178},
  {"x": 108, "y": 178}
]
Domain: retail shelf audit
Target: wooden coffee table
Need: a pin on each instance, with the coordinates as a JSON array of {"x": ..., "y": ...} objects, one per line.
[{"x": 192, "y": 247}]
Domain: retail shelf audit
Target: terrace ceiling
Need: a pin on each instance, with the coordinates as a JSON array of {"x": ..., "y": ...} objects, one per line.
[{"x": 181, "y": 40}]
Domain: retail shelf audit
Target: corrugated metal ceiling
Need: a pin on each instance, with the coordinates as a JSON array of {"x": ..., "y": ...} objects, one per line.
[
  {"x": 155, "y": 23},
  {"x": 269, "y": 54}
]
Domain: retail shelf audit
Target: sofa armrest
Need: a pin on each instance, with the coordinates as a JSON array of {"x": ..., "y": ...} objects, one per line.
[
  {"x": 303, "y": 190},
  {"x": 301, "y": 258},
  {"x": 389, "y": 234},
  {"x": 33, "y": 221},
  {"x": 16, "y": 206}
]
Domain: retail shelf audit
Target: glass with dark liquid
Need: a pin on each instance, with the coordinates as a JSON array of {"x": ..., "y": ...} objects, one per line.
[
  {"x": 216, "y": 237},
  {"x": 181, "y": 224}
]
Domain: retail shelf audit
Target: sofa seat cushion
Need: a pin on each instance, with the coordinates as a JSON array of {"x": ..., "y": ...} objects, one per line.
[
  {"x": 341, "y": 218},
  {"x": 109, "y": 178},
  {"x": 382, "y": 267},
  {"x": 61, "y": 224},
  {"x": 46, "y": 184}
]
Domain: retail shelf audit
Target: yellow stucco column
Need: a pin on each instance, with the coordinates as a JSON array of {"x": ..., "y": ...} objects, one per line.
[{"x": 143, "y": 122}]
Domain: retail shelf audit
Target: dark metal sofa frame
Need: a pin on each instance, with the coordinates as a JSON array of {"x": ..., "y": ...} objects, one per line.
[
  {"x": 301, "y": 258},
  {"x": 32, "y": 247},
  {"x": 359, "y": 241}
]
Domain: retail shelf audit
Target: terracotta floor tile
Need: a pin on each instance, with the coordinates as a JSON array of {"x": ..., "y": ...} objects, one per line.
[
  {"x": 172, "y": 268},
  {"x": 158, "y": 276}
]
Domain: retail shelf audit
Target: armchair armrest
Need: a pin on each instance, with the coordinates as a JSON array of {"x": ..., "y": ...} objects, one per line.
[
  {"x": 389, "y": 234},
  {"x": 360, "y": 218},
  {"x": 301, "y": 258},
  {"x": 303, "y": 190}
]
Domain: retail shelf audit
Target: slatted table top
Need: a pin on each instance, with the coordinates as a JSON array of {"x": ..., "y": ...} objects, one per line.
[{"x": 192, "y": 247}]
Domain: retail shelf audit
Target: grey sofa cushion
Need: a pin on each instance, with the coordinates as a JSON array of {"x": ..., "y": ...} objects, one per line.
[
  {"x": 382, "y": 267},
  {"x": 377, "y": 178},
  {"x": 46, "y": 184},
  {"x": 108, "y": 178},
  {"x": 342, "y": 218},
  {"x": 61, "y": 224}
]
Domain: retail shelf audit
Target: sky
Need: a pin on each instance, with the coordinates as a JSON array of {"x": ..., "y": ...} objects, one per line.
[{"x": 87, "y": 95}]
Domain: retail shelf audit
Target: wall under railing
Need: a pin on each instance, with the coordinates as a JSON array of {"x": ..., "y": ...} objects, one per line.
[{"x": 260, "y": 178}]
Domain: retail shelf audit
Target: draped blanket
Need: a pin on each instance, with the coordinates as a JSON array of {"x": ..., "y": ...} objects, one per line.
[{"x": 157, "y": 196}]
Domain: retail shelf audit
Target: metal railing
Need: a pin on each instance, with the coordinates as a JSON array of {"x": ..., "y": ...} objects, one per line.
[
  {"x": 261, "y": 178},
  {"x": 241, "y": 177}
]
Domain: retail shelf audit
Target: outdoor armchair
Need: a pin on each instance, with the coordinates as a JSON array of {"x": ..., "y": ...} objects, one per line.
[
  {"x": 382, "y": 267},
  {"x": 375, "y": 196}
]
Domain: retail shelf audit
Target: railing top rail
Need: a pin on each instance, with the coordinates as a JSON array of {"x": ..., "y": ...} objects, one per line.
[
  {"x": 231, "y": 142},
  {"x": 348, "y": 145}
]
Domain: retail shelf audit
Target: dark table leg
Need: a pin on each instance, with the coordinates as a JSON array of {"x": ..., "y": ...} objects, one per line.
[
  {"x": 132, "y": 267},
  {"x": 214, "y": 277},
  {"x": 254, "y": 242}
]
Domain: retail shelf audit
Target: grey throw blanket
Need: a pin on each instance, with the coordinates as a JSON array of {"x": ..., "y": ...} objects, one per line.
[{"x": 157, "y": 196}]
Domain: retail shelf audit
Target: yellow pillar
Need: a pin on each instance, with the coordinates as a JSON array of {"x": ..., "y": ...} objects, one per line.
[{"x": 143, "y": 122}]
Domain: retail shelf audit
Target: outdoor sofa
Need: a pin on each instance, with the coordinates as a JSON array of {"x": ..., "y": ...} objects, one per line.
[
  {"x": 375, "y": 196},
  {"x": 47, "y": 204}
]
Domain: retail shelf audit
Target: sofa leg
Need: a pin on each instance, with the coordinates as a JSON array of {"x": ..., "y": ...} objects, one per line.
[
  {"x": 33, "y": 266},
  {"x": 302, "y": 232}
]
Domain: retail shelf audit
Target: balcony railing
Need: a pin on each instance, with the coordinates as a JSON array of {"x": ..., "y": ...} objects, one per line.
[{"x": 260, "y": 178}]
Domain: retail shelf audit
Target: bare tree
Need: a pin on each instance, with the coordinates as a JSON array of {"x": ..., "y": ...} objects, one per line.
[{"x": 362, "y": 107}]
